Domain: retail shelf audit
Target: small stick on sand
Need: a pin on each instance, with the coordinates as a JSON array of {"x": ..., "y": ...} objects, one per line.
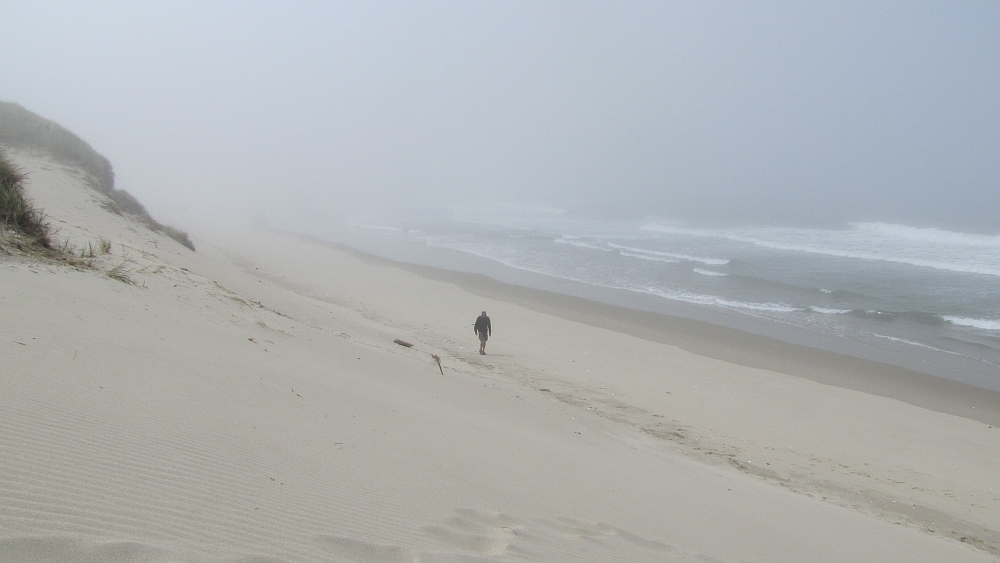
[
  {"x": 438, "y": 360},
  {"x": 403, "y": 343}
]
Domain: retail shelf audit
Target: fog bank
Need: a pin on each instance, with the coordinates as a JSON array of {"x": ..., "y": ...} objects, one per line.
[{"x": 699, "y": 112}]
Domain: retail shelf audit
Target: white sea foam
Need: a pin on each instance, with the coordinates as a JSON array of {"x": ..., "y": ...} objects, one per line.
[
  {"x": 515, "y": 261},
  {"x": 772, "y": 307},
  {"x": 984, "y": 324},
  {"x": 826, "y": 311},
  {"x": 912, "y": 343},
  {"x": 708, "y": 261},
  {"x": 749, "y": 306},
  {"x": 927, "y": 248},
  {"x": 701, "y": 299},
  {"x": 709, "y": 272},
  {"x": 929, "y": 235},
  {"x": 648, "y": 257},
  {"x": 966, "y": 268},
  {"x": 825, "y": 290},
  {"x": 574, "y": 241}
]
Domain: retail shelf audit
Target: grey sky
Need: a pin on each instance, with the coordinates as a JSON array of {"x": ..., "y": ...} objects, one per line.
[{"x": 698, "y": 111}]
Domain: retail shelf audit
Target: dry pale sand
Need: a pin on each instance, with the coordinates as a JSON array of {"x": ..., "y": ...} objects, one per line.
[{"x": 247, "y": 403}]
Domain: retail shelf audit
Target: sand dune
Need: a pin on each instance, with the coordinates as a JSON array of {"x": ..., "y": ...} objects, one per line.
[{"x": 247, "y": 403}]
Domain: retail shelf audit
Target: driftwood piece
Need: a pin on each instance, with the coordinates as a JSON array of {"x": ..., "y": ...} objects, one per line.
[
  {"x": 403, "y": 343},
  {"x": 438, "y": 360}
]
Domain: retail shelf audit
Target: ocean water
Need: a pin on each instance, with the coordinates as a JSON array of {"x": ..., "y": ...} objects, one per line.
[{"x": 909, "y": 292}]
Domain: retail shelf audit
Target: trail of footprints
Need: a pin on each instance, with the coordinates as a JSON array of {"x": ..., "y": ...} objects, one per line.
[{"x": 471, "y": 536}]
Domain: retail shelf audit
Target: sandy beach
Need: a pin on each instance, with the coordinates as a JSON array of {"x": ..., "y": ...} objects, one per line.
[{"x": 247, "y": 402}]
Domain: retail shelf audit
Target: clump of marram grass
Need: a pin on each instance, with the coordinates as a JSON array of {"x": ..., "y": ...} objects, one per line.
[
  {"x": 123, "y": 203},
  {"x": 178, "y": 235},
  {"x": 17, "y": 212},
  {"x": 32, "y": 233},
  {"x": 121, "y": 273},
  {"x": 66, "y": 247}
]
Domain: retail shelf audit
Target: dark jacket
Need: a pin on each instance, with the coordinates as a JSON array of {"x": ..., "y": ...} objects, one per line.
[{"x": 483, "y": 325}]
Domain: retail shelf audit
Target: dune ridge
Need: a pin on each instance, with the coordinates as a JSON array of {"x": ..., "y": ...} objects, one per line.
[{"x": 23, "y": 130}]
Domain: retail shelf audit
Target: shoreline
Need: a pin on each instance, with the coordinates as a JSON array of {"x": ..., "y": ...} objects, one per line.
[
  {"x": 724, "y": 343},
  {"x": 927, "y": 360}
]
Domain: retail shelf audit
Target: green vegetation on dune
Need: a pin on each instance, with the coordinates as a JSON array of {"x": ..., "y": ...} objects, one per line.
[
  {"x": 20, "y": 128},
  {"x": 124, "y": 203},
  {"x": 17, "y": 213}
]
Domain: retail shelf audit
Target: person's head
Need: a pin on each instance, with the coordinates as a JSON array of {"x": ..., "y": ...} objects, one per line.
[{"x": 484, "y": 314}]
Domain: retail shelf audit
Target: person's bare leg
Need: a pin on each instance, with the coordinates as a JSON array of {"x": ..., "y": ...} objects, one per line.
[{"x": 482, "y": 347}]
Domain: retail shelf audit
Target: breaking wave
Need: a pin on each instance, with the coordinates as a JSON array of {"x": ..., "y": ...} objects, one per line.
[
  {"x": 708, "y": 261},
  {"x": 984, "y": 324},
  {"x": 927, "y": 248},
  {"x": 709, "y": 273},
  {"x": 912, "y": 343},
  {"x": 826, "y": 311},
  {"x": 648, "y": 257}
]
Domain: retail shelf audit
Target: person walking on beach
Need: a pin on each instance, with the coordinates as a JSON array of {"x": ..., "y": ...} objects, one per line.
[{"x": 484, "y": 330}]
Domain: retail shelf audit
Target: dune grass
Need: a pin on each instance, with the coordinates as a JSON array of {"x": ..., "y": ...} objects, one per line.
[
  {"x": 17, "y": 212},
  {"x": 121, "y": 273},
  {"x": 178, "y": 235},
  {"x": 24, "y": 129},
  {"x": 29, "y": 228}
]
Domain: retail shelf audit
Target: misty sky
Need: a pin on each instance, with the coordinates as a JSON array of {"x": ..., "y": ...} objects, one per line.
[{"x": 698, "y": 111}]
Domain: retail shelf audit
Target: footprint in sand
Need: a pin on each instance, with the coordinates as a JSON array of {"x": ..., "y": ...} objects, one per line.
[
  {"x": 471, "y": 535},
  {"x": 365, "y": 552},
  {"x": 477, "y": 532},
  {"x": 600, "y": 530},
  {"x": 484, "y": 534}
]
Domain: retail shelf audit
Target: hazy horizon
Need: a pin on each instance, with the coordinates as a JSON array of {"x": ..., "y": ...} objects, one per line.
[{"x": 704, "y": 113}]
